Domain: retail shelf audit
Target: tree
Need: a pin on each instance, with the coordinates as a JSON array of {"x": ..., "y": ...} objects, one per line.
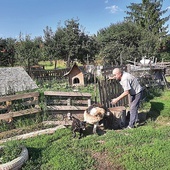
[
  {"x": 49, "y": 44},
  {"x": 27, "y": 51},
  {"x": 89, "y": 47},
  {"x": 164, "y": 51},
  {"x": 148, "y": 15},
  {"x": 119, "y": 43},
  {"x": 71, "y": 43},
  {"x": 7, "y": 52},
  {"x": 64, "y": 43},
  {"x": 71, "y": 40},
  {"x": 149, "y": 44}
]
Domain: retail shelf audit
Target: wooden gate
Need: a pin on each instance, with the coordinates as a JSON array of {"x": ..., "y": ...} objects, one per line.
[{"x": 109, "y": 89}]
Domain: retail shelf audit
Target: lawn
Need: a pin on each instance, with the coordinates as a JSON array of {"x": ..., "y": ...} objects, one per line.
[{"x": 50, "y": 65}]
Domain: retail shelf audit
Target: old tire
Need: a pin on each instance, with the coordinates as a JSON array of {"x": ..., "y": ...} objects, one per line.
[{"x": 17, "y": 163}]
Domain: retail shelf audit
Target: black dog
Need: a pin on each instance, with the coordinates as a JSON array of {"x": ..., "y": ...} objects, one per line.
[{"x": 77, "y": 126}]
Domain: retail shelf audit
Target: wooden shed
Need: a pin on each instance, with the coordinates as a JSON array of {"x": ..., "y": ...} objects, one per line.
[{"x": 75, "y": 76}]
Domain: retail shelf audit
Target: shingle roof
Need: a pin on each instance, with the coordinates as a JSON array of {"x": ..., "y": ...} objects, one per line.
[
  {"x": 15, "y": 79},
  {"x": 81, "y": 68}
]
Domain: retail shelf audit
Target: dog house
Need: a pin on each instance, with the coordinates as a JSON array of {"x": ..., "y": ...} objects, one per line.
[{"x": 75, "y": 76}]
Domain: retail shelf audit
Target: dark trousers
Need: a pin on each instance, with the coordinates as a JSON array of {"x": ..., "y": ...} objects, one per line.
[{"x": 135, "y": 101}]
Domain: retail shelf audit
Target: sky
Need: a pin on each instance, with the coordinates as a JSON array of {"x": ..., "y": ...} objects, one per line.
[{"x": 31, "y": 17}]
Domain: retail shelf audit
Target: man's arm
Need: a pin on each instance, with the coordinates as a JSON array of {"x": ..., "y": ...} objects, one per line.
[{"x": 115, "y": 100}]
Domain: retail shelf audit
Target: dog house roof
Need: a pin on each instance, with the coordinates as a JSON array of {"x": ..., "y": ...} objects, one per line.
[{"x": 74, "y": 67}]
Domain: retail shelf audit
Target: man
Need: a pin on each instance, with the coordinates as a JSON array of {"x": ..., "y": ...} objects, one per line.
[{"x": 130, "y": 86}]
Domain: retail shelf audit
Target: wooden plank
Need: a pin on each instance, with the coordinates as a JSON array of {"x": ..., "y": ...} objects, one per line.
[
  {"x": 66, "y": 108},
  {"x": 80, "y": 102},
  {"x": 56, "y": 102},
  {"x": 64, "y": 102},
  {"x": 19, "y": 96},
  {"x": 19, "y": 113},
  {"x": 72, "y": 94}
]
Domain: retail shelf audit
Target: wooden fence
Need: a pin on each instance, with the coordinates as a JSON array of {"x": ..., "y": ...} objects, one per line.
[
  {"x": 48, "y": 74},
  {"x": 19, "y": 105},
  {"x": 67, "y": 102}
]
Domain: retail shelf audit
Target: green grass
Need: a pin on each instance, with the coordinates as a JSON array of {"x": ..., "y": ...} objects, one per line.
[
  {"x": 144, "y": 148},
  {"x": 50, "y": 65},
  {"x": 47, "y": 64},
  {"x": 159, "y": 106},
  {"x": 9, "y": 151}
]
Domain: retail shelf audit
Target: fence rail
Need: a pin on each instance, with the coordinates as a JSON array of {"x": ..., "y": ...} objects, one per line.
[
  {"x": 19, "y": 105},
  {"x": 48, "y": 74}
]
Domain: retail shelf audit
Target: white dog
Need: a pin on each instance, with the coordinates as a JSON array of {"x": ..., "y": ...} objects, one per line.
[{"x": 93, "y": 115}]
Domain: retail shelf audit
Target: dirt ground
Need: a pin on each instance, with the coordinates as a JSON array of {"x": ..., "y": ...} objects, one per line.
[{"x": 103, "y": 162}]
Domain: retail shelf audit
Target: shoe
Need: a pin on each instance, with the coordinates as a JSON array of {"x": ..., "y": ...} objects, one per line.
[
  {"x": 137, "y": 124},
  {"x": 128, "y": 127}
]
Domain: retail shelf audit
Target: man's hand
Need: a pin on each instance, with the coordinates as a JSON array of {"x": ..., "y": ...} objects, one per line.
[
  {"x": 110, "y": 77},
  {"x": 114, "y": 101}
]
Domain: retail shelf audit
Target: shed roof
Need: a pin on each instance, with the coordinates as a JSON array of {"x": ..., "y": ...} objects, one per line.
[{"x": 15, "y": 79}]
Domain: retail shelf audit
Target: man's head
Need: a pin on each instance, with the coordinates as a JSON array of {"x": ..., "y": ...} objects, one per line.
[{"x": 117, "y": 73}]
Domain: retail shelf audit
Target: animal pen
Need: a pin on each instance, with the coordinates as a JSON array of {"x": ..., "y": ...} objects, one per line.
[{"x": 149, "y": 76}]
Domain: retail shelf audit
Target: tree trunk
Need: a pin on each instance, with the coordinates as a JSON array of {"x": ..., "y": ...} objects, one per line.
[
  {"x": 68, "y": 61},
  {"x": 55, "y": 64}
]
